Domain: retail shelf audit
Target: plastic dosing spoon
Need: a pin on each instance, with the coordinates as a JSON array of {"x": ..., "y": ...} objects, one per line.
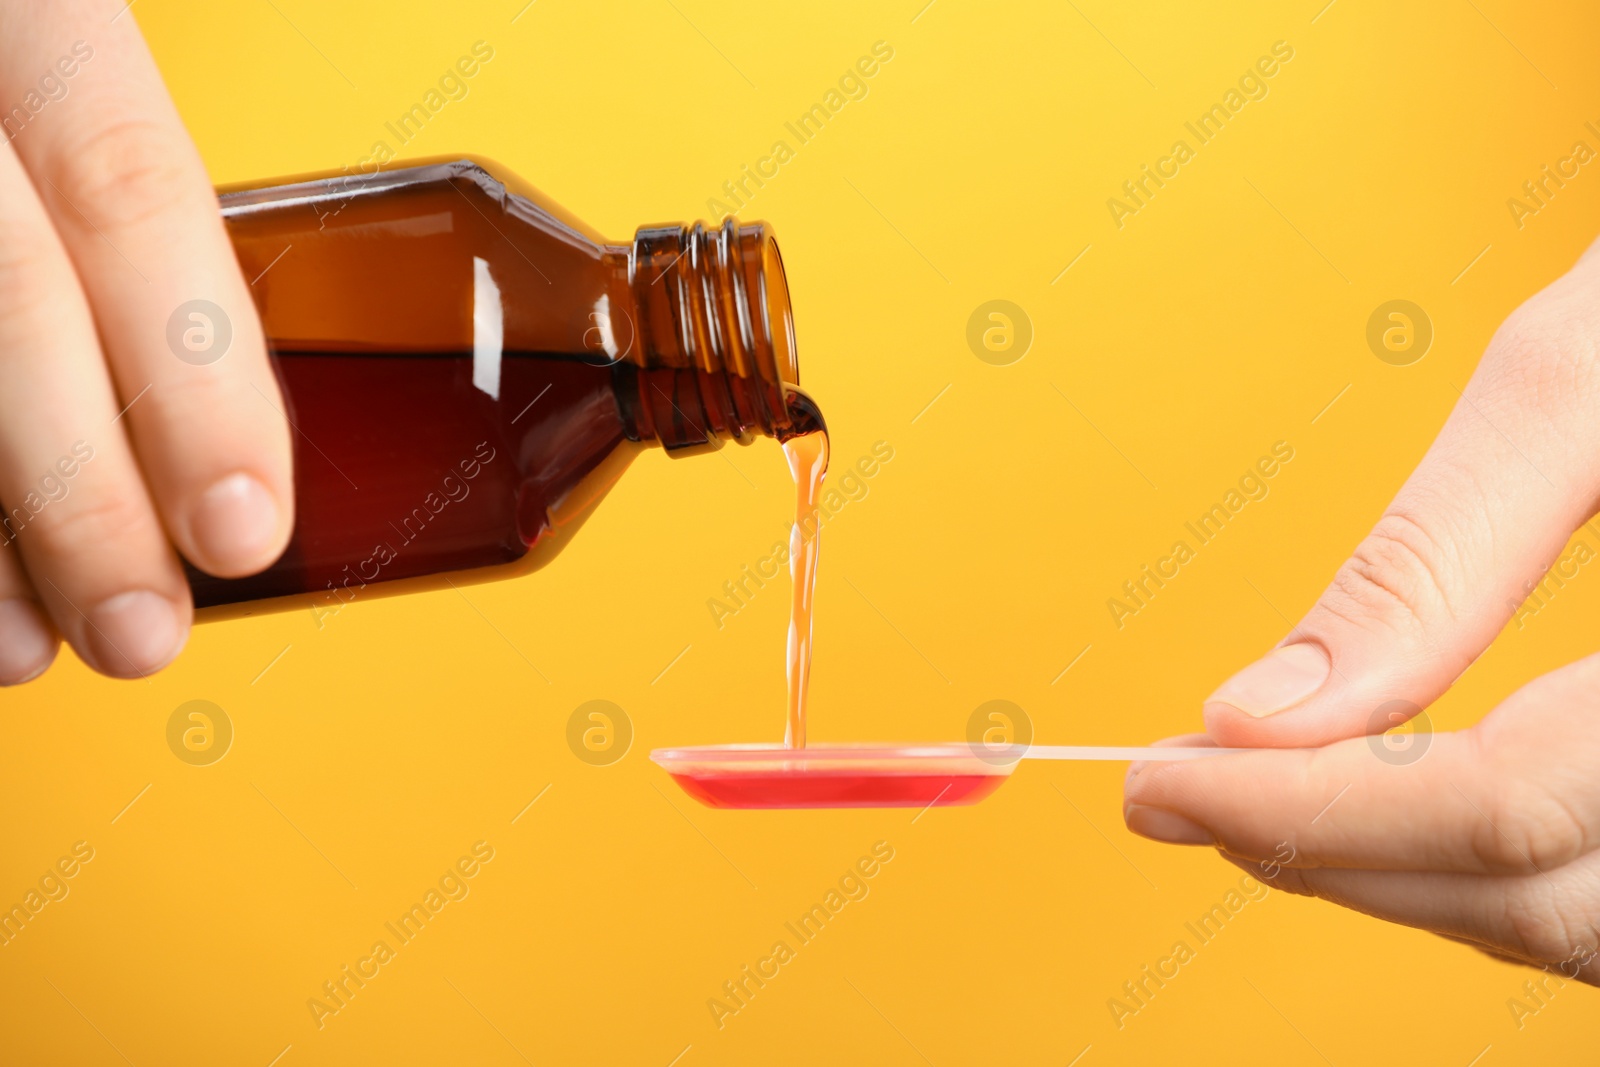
[{"x": 873, "y": 776}]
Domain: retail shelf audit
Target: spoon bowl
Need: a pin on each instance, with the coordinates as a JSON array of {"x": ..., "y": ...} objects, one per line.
[{"x": 835, "y": 776}]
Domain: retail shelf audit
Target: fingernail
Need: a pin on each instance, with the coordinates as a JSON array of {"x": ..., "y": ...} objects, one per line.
[
  {"x": 27, "y": 644},
  {"x": 1160, "y": 825},
  {"x": 134, "y": 633},
  {"x": 1280, "y": 679},
  {"x": 234, "y": 524}
]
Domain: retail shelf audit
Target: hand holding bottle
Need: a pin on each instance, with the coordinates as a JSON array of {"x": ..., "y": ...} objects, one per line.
[
  {"x": 1489, "y": 835},
  {"x": 142, "y": 419}
]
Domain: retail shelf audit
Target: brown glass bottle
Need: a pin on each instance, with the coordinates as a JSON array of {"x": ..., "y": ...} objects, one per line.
[{"x": 467, "y": 369}]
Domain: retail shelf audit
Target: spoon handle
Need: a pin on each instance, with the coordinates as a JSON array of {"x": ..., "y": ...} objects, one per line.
[{"x": 1113, "y": 752}]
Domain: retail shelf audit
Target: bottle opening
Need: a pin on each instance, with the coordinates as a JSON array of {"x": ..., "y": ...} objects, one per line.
[
  {"x": 717, "y": 357},
  {"x": 805, "y": 416}
]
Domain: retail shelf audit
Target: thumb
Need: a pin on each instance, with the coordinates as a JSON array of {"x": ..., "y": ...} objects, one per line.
[{"x": 1509, "y": 478}]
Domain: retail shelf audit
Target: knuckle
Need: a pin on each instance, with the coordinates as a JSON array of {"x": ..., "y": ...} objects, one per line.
[
  {"x": 25, "y": 281},
  {"x": 1526, "y": 829},
  {"x": 1543, "y": 356},
  {"x": 32, "y": 275},
  {"x": 1540, "y": 923},
  {"x": 124, "y": 173},
  {"x": 1397, "y": 573},
  {"x": 1291, "y": 880},
  {"x": 21, "y": 253},
  {"x": 86, "y": 522}
]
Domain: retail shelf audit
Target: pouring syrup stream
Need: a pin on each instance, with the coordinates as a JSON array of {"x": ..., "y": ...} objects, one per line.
[{"x": 806, "y": 448}]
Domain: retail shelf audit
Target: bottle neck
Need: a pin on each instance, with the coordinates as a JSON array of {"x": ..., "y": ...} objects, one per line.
[{"x": 715, "y": 354}]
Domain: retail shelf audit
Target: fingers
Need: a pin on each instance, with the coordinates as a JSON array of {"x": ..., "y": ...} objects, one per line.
[
  {"x": 1181, "y": 741},
  {"x": 1538, "y": 918},
  {"x": 76, "y": 507},
  {"x": 1514, "y": 795},
  {"x": 1493, "y": 953},
  {"x": 127, "y": 192},
  {"x": 1511, "y": 475},
  {"x": 28, "y": 641}
]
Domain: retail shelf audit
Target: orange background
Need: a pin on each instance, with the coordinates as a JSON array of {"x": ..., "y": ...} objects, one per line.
[{"x": 1226, "y": 315}]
